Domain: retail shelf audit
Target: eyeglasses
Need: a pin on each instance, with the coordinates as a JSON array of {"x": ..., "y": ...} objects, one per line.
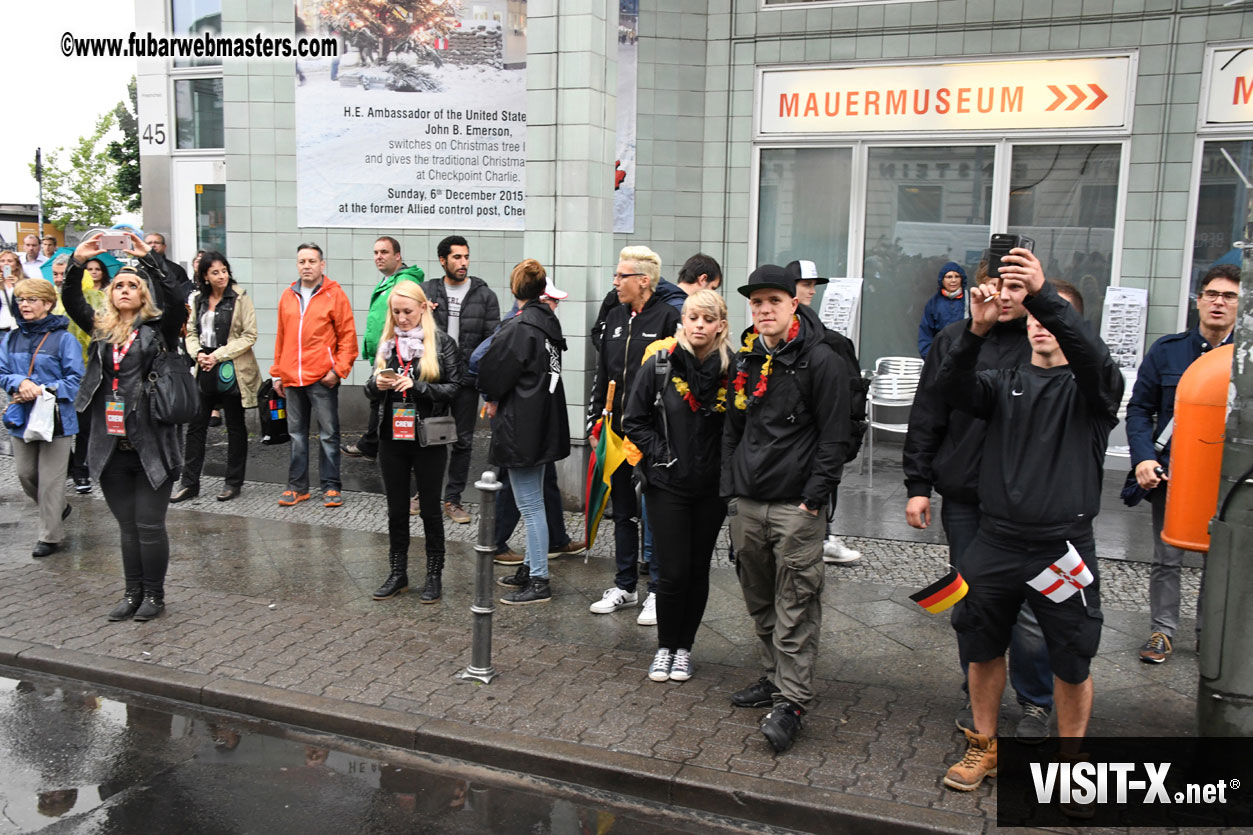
[
  {"x": 1214, "y": 295},
  {"x": 620, "y": 276},
  {"x": 25, "y": 300}
]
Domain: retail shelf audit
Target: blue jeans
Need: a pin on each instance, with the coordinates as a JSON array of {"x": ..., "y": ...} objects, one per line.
[
  {"x": 649, "y": 556},
  {"x": 324, "y": 403},
  {"x": 507, "y": 514},
  {"x": 1029, "y": 671},
  {"x": 528, "y": 492}
]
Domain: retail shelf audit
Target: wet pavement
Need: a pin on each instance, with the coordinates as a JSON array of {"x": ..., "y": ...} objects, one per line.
[
  {"x": 269, "y": 614},
  {"x": 77, "y": 759}
]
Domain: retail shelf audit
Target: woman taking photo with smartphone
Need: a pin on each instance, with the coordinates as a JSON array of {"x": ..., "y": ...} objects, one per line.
[
  {"x": 418, "y": 368},
  {"x": 674, "y": 416},
  {"x": 133, "y": 456},
  {"x": 42, "y": 356},
  {"x": 220, "y": 335}
]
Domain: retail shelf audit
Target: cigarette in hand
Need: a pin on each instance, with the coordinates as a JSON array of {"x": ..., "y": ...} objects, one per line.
[{"x": 991, "y": 296}]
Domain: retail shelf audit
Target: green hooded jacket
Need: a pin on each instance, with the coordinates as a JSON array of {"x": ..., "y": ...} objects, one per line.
[{"x": 378, "y": 309}]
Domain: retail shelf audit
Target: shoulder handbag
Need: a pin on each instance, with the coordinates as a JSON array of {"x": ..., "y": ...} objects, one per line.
[
  {"x": 173, "y": 395},
  {"x": 436, "y": 431}
]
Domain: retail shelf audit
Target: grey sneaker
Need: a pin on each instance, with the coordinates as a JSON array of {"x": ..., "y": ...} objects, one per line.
[
  {"x": 965, "y": 720},
  {"x": 1033, "y": 727}
]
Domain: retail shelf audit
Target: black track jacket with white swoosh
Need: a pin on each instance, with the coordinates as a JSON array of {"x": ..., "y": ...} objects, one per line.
[{"x": 1044, "y": 452}]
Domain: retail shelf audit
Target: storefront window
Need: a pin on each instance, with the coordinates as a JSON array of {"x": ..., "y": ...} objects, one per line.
[
  {"x": 191, "y": 17},
  {"x": 804, "y": 206},
  {"x": 1221, "y": 205},
  {"x": 924, "y": 207},
  {"x": 1066, "y": 198},
  {"x": 198, "y": 111}
]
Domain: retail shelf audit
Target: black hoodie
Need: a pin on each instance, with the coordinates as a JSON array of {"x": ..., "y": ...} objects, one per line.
[
  {"x": 521, "y": 373},
  {"x": 789, "y": 444},
  {"x": 622, "y": 350},
  {"x": 1044, "y": 449}
]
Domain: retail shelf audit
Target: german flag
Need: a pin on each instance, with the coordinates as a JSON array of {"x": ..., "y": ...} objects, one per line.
[{"x": 941, "y": 594}]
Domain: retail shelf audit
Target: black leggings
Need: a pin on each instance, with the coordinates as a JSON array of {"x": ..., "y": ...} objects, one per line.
[
  {"x": 396, "y": 460},
  {"x": 236, "y": 438},
  {"x": 140, "y": 513},
  {"x": 685, "y": 529}
]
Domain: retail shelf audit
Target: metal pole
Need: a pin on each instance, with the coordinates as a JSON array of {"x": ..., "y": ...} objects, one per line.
[
  {"x": 484, "y": 607},
  {"x": 1225, "y": 695},
  {"x": 39, "y": 176}
]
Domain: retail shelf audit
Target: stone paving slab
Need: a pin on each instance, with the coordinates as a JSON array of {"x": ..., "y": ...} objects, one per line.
[{"x": 279, "y": 600}]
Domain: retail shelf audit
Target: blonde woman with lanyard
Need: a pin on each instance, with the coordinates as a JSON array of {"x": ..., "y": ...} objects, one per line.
[
  {"x": 135, "y": 458},
  {"x": 418, "y": 368}
]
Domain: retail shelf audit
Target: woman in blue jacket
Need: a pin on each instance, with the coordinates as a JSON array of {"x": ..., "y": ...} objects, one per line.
[
  {"x": 41, "y": 356},
  {"x": 947, "y": 306}
]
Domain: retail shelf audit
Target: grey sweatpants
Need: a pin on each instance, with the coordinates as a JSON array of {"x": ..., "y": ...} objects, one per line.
[
  {"x": 1164, "y": 578},
  {"x": 778, "y": 551},
  {"x": 41, "y": 468}
]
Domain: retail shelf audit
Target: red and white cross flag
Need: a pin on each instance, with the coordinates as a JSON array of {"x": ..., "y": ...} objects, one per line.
[
  {"x": 439, "y": 43},
  {"x": 1063, "y": 578}
]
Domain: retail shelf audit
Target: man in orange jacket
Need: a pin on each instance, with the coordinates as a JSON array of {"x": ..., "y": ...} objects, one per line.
[{"x": 314, "y": 350}]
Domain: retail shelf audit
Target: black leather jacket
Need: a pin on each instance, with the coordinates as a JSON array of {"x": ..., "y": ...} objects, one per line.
[
  {"x": 428, "y": 398},
  {"x": 159, "y": 445}
]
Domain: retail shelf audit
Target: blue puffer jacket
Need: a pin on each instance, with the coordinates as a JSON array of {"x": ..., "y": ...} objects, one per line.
[
  {"x": 58, "y": 368},
  {"x": 941, "y": 311}
]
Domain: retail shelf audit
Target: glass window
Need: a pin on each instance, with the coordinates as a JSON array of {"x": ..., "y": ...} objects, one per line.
[
  {"x": 191, "y": 17},
  {"x": 1221, "y": 203},
  {"x": 803, "y": 207},
  {"x": 198, "y": 112},
  {"x": 1073, "y": 194},
  {"x": 211, "y": 218},
  {"x": 924, "y": 207}
]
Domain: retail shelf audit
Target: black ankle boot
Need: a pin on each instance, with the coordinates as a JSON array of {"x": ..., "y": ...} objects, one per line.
[
  {"x": 398, "y": 580},
  {"x": 434, "y": 585},
  {"x": 153, "y": 605},
  {"x": 130, "y": 603},
  {"x": 520, "y": 579}
]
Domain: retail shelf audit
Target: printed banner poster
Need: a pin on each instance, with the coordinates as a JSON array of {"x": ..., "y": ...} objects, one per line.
[
  {"x": 628, "y": 87},
  {"x": 420, "y": 121}
]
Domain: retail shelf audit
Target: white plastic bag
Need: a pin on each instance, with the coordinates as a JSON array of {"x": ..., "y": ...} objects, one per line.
[{"x": 42, "y": 418}]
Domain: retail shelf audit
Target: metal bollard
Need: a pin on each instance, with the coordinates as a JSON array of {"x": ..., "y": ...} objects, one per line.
[{"x": 484, "y": 607}]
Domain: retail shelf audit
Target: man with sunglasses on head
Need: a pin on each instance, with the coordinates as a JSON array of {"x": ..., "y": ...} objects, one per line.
[{"x": 1150, "y": 417}]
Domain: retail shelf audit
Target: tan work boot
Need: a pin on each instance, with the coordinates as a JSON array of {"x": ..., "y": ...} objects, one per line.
[{"x": 979, "y": 762}]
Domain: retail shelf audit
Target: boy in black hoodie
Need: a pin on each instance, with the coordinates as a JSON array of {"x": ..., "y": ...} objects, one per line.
[
  {"x": 783, "y": 446},
  {"x": 1048, "y": 424}
]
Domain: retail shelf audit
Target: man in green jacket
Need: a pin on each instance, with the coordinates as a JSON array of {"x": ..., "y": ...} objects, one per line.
[{"x": 392, "y": 266}]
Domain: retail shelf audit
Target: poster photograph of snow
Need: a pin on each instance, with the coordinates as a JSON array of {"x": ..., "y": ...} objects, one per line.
[{"x": 420, "y": 121}]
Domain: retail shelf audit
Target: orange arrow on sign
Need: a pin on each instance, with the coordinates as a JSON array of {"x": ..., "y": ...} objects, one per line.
[
  {"x": 1080, "y": 96},
  {"x": 1101, "y": 96},
  {"x": 1061, "y": 97}
]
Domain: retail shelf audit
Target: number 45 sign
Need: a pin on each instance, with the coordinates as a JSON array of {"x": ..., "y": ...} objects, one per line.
[{"x": 154, "y": 116}]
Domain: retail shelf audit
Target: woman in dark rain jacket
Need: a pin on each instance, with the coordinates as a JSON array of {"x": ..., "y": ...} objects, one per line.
[{"x": 674, "y": 416}]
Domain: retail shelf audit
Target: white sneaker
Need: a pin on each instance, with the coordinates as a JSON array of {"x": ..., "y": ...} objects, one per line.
[
  {"x": 613, "y": 600},
  {"x": 648, "y": 615},
  {"x": 681, "y": 665},
  {"x": 835, "y": 552},
  {"x": 660, "y": 669}
]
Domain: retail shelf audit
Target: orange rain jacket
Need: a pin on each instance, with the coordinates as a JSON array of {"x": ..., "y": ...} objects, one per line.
[{"x": 316, "y": 340}]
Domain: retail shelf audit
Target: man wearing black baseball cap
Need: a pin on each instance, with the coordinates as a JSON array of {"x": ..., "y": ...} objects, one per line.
[{"x": 785, "y": 440}]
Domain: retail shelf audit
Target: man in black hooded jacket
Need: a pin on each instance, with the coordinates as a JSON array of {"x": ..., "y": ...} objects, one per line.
[{"x": 784, "y": 443}]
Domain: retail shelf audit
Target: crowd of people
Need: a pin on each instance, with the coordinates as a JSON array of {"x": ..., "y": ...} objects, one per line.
[{"x": 751, "y": 430}]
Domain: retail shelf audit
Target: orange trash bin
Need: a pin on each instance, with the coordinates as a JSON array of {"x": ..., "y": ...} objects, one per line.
[{"x": 1196, "y": 450}]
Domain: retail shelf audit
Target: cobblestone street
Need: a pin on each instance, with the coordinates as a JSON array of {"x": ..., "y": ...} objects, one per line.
[{"x": 262, "y": 595}]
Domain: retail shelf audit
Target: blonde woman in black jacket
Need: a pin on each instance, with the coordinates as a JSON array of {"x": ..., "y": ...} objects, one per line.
[
  {"x": 418, "y": 367},
  {"x": 674, "y": 416},
  {"x": 135, "y": 458}
]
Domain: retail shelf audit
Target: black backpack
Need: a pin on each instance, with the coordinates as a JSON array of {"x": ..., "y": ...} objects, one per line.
[{"x": 859, "y": 389}]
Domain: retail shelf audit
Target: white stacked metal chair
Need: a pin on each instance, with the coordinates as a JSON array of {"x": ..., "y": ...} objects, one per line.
[{"x": 893, "y": 386}]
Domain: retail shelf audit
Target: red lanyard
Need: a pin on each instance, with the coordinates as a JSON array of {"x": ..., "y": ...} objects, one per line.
[{"x": 119, "y": 354}]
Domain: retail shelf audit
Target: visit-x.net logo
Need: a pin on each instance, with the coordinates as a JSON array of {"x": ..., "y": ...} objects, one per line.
[{"x": 1125, "y": 782}]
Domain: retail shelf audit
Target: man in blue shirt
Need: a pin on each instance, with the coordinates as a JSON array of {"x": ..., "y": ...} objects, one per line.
[{"x": 1150, "y": 412}]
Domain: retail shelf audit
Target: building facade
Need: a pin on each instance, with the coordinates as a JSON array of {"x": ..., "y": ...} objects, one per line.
[{"x": 877, "y": 139}]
